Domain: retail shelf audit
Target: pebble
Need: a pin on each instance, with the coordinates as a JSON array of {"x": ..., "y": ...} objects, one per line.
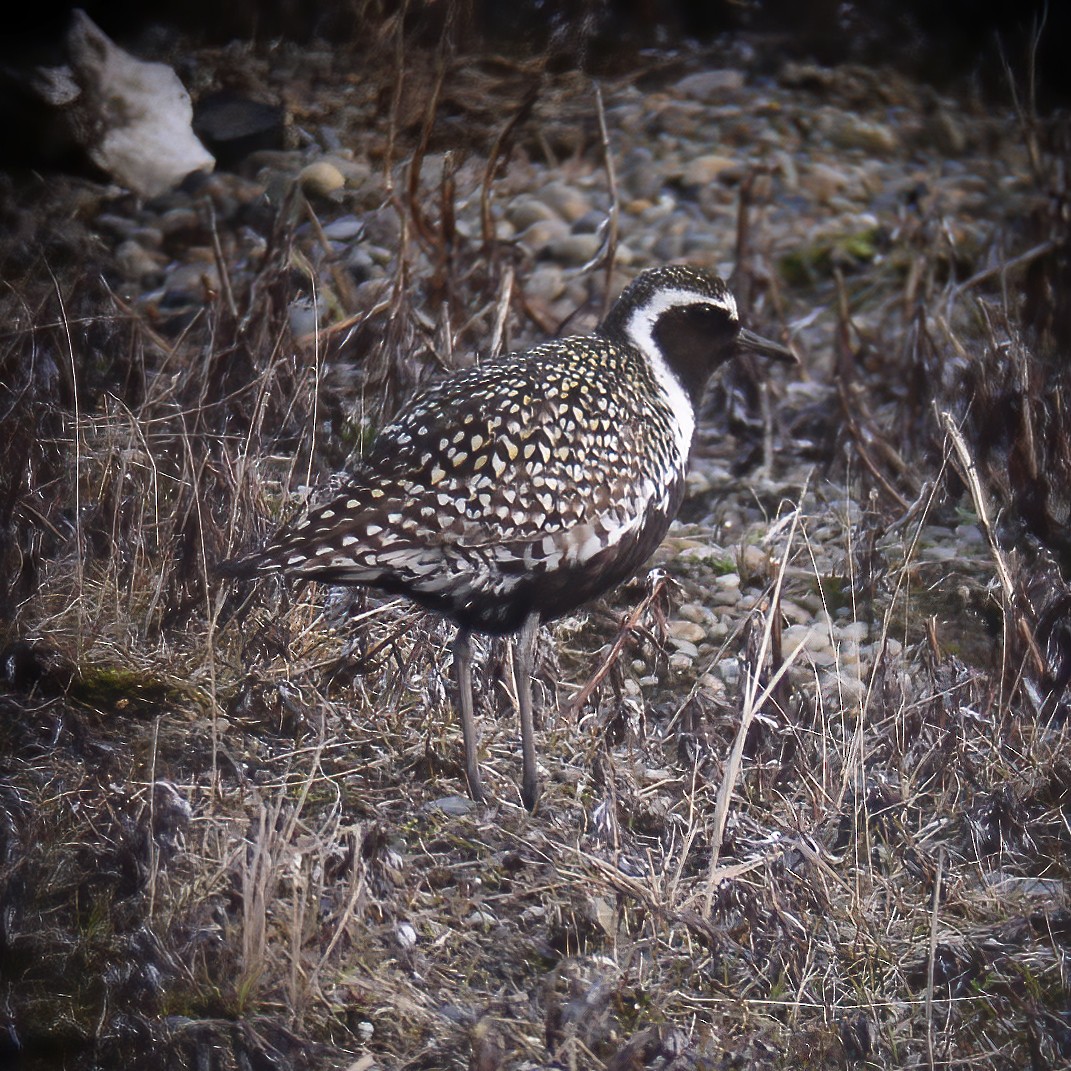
[
  {"x": 794, "y": 613},
  {"x": 321, "y": 179},
  {"x": 680, "y": 663},
  {"x": 545, "y": 283},
  {"x": 754, "y": 561},
  {"x": 138, "y": 264},
  {"x": 812, "y": 638},
  {"x": 940, "y": 552},
  {"x": 823, "y": 182},
  {"x": 344, "y": 229},
  {"x": 573, "y": 249},
  {"x": 855, "y": 631},
  {"x": 712, "y": 167},
  {"x": 728, "y": 669},
  {"x": 691, "y": 611},
  {"x": 712, "y": 685},
  {"x": 641, "y": 175},
  {"x": 684, "y": 649},
  {"x": 539, "y": 235},
  {"x": 688, "y": 631},
  {"x": 680, "y": 119},
  {"x": 522, "y": 212},
  {"x": 849, "y": 131},
  {"x": 842, "y": 690},
  {"x": 453, "y": 806},
  {"x": 711, "y": 86},
  {"x": 567, "y": 202}
]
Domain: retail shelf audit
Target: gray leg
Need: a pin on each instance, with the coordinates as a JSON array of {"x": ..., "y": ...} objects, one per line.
[
  {"x": 463, "y": 672},
  {"x": 522, "y": 667}
]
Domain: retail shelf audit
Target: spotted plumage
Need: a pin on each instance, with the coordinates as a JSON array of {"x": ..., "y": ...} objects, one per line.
[{"x": 515, "y": 491}]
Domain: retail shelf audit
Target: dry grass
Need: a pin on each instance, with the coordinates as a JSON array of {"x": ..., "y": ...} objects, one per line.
[{"x": 229, "y": 834}]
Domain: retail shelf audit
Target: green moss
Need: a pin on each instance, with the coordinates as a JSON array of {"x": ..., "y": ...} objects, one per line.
[
  {"x": 808, "y": 264},
  {"x": 115, "y": 690},
  {"x": 835, "y": 592}
]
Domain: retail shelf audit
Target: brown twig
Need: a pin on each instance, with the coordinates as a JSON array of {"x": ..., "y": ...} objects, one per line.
[
  {"x": 623, "y": 634},
  {"x": 981, "y": 507}
]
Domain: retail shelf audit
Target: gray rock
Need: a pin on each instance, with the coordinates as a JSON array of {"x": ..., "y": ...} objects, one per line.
[
  {"x": 522, "y": 212},
  {"x": 711, "y": 86},
  {"x": 541, "y": 233},
  {"x": 344, "y": 229},
  {"x": 711, "y": 167},
  {"x": 545, "y": 283},
  {"x": 568, "y": 202},
  {"x": 573, "y": 249}
]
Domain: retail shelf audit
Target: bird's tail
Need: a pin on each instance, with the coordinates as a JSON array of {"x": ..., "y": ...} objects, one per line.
[{"x": 249, "y": 566}]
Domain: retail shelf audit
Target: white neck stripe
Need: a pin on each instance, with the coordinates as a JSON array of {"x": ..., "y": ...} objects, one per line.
[{"x": 639, "y": 328}]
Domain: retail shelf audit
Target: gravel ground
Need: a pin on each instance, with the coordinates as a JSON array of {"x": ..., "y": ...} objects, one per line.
[{"x": 805, "y": 806}]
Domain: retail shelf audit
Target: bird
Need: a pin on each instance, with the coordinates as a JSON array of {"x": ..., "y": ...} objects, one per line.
[{"x": 517, "y": 490}]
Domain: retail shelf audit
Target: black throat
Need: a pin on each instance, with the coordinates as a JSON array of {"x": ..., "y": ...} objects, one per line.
[{"x": 696, "y": 341}]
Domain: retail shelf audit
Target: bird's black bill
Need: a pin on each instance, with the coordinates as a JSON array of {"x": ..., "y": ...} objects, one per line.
[{"x": 748, "y": 342}]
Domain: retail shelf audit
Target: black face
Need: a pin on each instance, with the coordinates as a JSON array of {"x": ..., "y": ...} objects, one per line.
[{"x": 696, "y": 340}]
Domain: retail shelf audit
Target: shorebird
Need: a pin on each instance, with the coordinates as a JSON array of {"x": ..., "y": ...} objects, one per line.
[{"x": 515, "y": 491}]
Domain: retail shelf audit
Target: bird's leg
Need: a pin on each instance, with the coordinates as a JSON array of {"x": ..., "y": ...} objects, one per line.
[
  {"x": 522, "y": 668},
  {"x": 463, "y": 671}
]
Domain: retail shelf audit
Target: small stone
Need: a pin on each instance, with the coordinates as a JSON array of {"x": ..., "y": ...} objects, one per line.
[
  {"x": 811, "y": 637},
  {"x": 687, "y": 630},
  {"x": 304, "y": 315},
  {"x": 454, "y": 806},
  {"x": 729, "y": 670},
  {"x": 849, "y": 131},
  {"x": 137, "y": 263},
  {"x": 321, "y": 179},
  {"x": 685, "y": 648},
  {"x": 344, "y": 229},
  {"x": 940, "y": 553},
  {"x": 641, "y": 176},
  {"x": 682, "y": 118},
  {"x": 190, "y": 283},
  {"x": 711, "y": 86},
  {"x": 537, "y": 236},
  {"x": 357, "y": 173},
  {"x": 704, "y": 170},
  {"x": 794, "y": 613},
  {"x": 712, "y": 685},
  {"x": 725, "y": 596},
  {"x": 566, "y": 201},
  {"x": 855, "y": 631},
  {"x": 843, "y": 689},
  {"x": 182, "y": 223},
  {"x": 754, "y": 561},
  {"x": 823, "y": 182},
  {"x": 545, "y": 283},
  {"x": 522, "y": 212},
  {"x": 692, "y": 611},
  {"x": 681, "y": 661},
  {"x": 573, "y": 249}
]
